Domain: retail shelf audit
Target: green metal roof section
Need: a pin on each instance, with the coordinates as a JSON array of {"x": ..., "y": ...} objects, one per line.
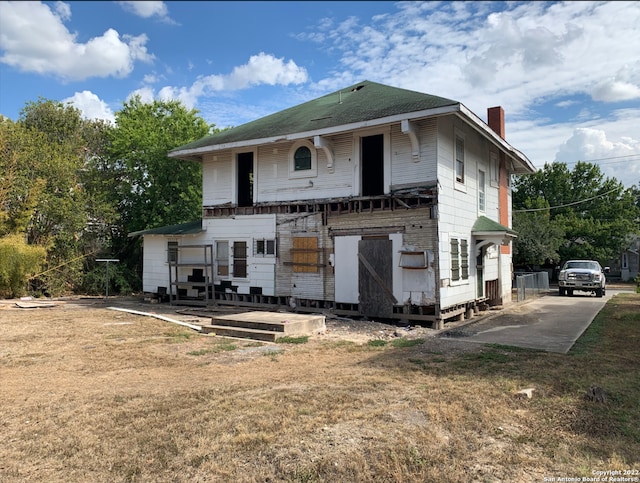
[
  {"x": 190, "y": 228},
  {"x": 486, "y": 225},
  {"x": 360, "y": 102}
]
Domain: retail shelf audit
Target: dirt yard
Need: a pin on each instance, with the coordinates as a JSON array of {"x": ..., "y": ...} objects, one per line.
[{"x": 94, "y": 394}]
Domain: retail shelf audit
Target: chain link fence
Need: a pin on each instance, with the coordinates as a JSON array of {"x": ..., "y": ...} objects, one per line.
[{"x": 530, "y": 285}]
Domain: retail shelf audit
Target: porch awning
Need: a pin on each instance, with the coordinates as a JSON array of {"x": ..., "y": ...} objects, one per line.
[
  {"x": 487, "y": 231},
  {"x": 190, "y": 228}
]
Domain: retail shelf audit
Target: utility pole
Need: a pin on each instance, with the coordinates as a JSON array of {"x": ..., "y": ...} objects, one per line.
[{"x": 107, "y": 260}]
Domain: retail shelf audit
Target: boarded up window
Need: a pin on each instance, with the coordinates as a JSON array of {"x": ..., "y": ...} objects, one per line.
[
  {"x": 305, "y": 254},
  {"x": 240, "y": 259}
]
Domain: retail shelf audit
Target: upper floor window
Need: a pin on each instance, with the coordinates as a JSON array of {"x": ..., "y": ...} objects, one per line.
[
  {"x": 494, "y": 166},
  {"x": 459, "y": 153},
  {"x": 481, "y": 191},
  {"x": 303, "y": 160}
]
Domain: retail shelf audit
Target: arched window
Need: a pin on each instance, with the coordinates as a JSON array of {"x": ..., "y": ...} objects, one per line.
[{"x": 303, "y": 160}]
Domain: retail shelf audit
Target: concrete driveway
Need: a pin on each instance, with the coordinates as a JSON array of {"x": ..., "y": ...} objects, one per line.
[{"x": 551, "y": 323}]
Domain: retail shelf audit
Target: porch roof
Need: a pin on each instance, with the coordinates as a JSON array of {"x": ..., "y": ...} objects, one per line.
[
  {"x": 486, "y": 226},
  {"x": 488, "y": 232},
  {"x": 190, "y": 228}
]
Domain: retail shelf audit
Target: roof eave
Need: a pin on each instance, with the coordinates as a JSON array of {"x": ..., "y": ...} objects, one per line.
[
  {"x": 503, "y": 234},
  {"x": 522, "y": 164},
  {"x": 190, "y": 154}
]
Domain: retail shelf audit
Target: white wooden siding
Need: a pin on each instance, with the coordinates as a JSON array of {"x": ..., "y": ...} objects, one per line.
[
  {"x": 246, "y": 228},
  {"x": 273, "y": 173},
  {"x": 155, "y": 268},
  {"x": 458, "y": 211},
  {"x": 217, "y": 179},
  {"x": 404, "y": 170}
]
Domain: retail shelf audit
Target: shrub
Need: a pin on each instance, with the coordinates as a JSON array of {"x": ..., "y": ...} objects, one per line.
[{"x": 18, "y": 262}]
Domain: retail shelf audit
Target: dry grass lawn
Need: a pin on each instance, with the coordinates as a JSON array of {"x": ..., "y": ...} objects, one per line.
[{"x": 94, "y": 395}]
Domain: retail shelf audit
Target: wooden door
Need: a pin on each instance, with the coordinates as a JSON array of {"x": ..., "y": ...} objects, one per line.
[{"x": 375, "y": 277}]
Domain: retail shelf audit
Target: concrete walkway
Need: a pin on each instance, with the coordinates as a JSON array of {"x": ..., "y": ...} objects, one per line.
[{"x": 550, "y": 323}]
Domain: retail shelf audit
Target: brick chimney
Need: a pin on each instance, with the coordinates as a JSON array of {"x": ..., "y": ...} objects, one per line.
[{"x": 495, "y": 120}]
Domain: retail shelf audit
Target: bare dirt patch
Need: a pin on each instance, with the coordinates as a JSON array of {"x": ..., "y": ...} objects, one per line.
[{"x": 92, "y": 394}]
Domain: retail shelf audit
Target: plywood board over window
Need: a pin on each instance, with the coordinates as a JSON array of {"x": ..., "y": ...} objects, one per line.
[{"x": 306, "y": 255}]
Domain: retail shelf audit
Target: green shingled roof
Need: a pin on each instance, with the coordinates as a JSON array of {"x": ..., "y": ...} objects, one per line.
[
  {"x": 486, "y": 225},
  {"x": 358, "y": 103},
  {"x": 190, "y": 228}
]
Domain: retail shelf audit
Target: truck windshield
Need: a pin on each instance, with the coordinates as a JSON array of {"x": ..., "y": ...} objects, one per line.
[{"x": 585, "y": 265}]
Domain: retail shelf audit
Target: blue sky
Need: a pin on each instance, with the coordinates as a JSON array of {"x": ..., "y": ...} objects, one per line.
[{"x": 566, "y": 74}]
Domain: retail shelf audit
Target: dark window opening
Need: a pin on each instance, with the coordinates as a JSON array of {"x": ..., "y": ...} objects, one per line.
[
  {"x": 245, "y": 179},
  {"x": 302, "y": 159},
  {"x": 172, "y": 252},
  {"x": 372, "y": 165},
  {"x": 240, "y": 259}
]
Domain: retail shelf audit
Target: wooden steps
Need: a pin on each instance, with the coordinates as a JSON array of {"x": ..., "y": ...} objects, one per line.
[{"x": 265, "y": 326}]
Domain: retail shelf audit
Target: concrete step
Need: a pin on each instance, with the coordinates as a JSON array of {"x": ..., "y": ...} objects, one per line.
[
  {"x": 265, "y": 326},
  {"x": 241, "y": 332},
  {"x": 280, "y": 323}
]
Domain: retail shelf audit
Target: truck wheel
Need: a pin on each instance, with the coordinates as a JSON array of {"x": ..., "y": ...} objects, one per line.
[
  {"x": 599, "y": 292},
  {"x": 562, "y": 291}
]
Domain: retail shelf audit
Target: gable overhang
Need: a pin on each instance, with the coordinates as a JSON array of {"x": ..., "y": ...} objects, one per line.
[
  {"x": 197, "y": 153},
  {"x": 519, "y": 163}
]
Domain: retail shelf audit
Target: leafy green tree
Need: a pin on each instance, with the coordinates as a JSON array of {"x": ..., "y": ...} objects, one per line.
[
  {"x": 47, "y": 159},
  {"x": 148, "y": 188},
  {"x": 538, "y": 237},
  {"x": 153, "y": 189},
  {"x": 595, "y": 214}
]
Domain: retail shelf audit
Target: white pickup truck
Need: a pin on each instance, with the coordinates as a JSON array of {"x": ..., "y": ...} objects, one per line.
[{"x": 585, "y": 275}]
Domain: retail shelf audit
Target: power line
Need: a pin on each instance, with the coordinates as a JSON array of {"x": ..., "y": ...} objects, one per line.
[
  {"x": 610, "y": 160},
  {"x": 611, "y": 157},
  {"x": 567, "y": 204}
]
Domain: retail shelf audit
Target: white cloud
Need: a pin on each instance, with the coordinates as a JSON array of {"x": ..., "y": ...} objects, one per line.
[
  {"x": 91, "y": 106},
  {"x": 530, "y": 51},
  {"x": 63, "y": 10},
  {"x": 265, "y": 69},
  {"x": 259, "y": 70},
  {"x": 602, "y": 142},
  {"x": 34, "y": 39},
  {"x": 527, "y": 55},
  {"x": 146, "y": 94},
  {"x": 148, "y": 9},
  {"x": 619, "y": 158}
]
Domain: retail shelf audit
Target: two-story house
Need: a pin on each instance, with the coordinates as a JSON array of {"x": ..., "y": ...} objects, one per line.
[{"x": 371, "y": 200}]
